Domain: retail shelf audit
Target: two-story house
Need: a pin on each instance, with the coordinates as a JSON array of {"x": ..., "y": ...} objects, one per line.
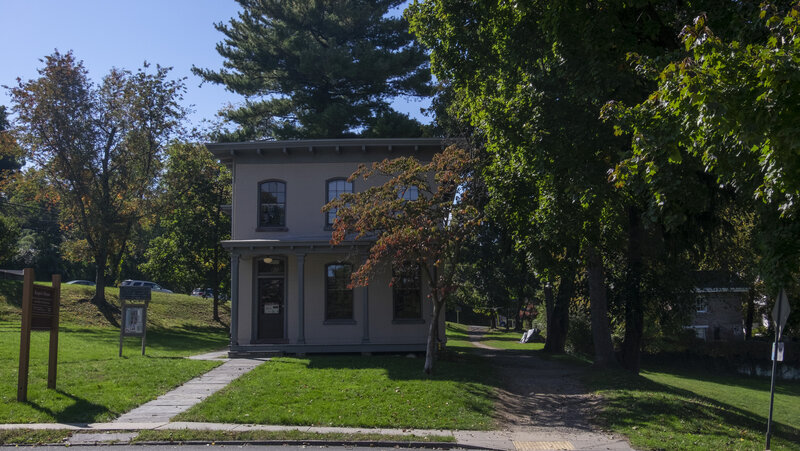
[{"x": 289, "y": 285}]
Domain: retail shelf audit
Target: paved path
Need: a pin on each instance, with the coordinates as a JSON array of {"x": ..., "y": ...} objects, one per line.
[
  {"x": 542, "y": 402},
  {"x": 163, "y": 408}
]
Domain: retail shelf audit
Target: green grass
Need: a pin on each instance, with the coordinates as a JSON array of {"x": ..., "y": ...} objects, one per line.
[
  {"x": 189, "y": 435},
  {"x": 33, "y": 436},
  {"x": 94, "y": 384},
  {"x": 357, "y": 391},
  {"x": 459, "y": 339},
  {"x": 675, "y": 409}
]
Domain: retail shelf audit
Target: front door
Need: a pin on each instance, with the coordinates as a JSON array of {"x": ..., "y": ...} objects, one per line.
[{"x": 271, "y": 300}]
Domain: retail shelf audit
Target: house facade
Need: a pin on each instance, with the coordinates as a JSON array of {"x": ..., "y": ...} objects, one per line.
[
  {"x": 289, "y": 285},
  {"x": 719, "y": 297}
]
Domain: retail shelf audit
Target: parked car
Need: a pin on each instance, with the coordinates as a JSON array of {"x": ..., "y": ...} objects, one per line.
[
  {"x": 80, "y": 282},
  {"x": 144, "y": 283}
]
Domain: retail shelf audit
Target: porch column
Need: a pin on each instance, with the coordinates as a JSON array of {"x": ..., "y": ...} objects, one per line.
[
  {"x": 365, "y": 307},
  {"x": 234, "y": 299},
  {"x": 301, "y": 316}
]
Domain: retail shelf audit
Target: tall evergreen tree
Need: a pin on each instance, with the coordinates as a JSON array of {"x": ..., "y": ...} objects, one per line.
[{"x": 318, "y": 68}]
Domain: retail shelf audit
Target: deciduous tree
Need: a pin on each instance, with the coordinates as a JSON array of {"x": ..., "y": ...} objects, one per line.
[
  {"x": 425, "y": 233},
  {"x": 99, "y": 145}
]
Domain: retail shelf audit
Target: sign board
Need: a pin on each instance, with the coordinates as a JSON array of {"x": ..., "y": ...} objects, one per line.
[
  {"x": 134, "y": 293},
  {"x": 778, "y": 351},
  {"x": 40, "y": 307},
  {"x": 134, "y": 316},
  {"x": 272, "y": 308},
  {"x": 133, "y": 320}
]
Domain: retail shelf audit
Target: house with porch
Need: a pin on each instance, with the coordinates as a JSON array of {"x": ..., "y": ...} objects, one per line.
[{"x": 289, "y": 285}]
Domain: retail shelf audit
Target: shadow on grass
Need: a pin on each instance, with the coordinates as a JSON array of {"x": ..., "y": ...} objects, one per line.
[
  {"x": 705, "y": 370},
  {"x": 80, "y": 411},
  {"x": 638, "y": 400},
  {"x": 190, "y": 338}
]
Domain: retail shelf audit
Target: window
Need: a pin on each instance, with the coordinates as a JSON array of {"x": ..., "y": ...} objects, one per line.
[
  {"x": 409, "y": 193},
  {"x": 338, "y": 297},
  {"x": 407, "y": 295},
  {"x": 701, "y": 304},
  {"x": 334, "y": 189},
  {"x": 272, "y": 204}
]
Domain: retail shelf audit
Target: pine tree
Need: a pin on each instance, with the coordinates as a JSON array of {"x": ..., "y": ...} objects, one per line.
[{"x": 318, "y": 68}]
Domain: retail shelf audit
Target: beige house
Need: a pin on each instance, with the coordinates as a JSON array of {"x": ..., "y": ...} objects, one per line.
[{"x": 288, "y": 283}]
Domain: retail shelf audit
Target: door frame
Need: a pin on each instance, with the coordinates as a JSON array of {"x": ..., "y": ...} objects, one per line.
[{"x": 254, "y": 302}]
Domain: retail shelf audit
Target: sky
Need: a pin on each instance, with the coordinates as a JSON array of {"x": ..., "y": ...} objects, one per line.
[{"x": 124, "y": 34}]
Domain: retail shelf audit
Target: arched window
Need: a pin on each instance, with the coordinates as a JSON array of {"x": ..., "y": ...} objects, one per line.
[
  {"x": 338, "y": 297},
  {"x": 335, "y": 188},
  {"x": 272, "y": 204}
]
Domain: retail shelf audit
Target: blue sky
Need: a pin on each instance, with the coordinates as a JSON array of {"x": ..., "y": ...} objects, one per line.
[{"x": 123, "y": 34}]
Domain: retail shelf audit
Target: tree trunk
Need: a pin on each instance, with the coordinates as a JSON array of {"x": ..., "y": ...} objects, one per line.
[
  {"x": 634, "y": 310},
  {"x": 558, "y": 325},
  {"x": 749, "y": 314},
  {"x": 100, "y": 260},
  {"x": 549, "y": 302},
  {"x": 430, "y": 351},
  {"x": 601, "y": 330}
]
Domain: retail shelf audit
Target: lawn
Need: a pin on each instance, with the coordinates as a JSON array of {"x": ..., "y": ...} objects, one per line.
[
  {"x": 357, "y": 391},
  {"x": 94, "y": 384},
  {"x": 458, "y": 338},
  {"x": 670, "y": 408}
]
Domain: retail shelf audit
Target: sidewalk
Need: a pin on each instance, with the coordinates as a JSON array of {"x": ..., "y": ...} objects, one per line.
[{"x": 496, "y": 440}]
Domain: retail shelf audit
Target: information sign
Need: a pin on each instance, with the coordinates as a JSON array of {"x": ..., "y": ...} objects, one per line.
[
  {"x": 134, "y": 315},
  {"x": 40, "y": 307}
]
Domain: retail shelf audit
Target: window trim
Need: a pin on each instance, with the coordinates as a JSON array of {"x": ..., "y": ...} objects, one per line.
[
  {"x": 421, "y": 318},
  {"x": 276, "y": 228},
  {"x": 327, "y": 225},
  {"x": 345, "y": 321}
]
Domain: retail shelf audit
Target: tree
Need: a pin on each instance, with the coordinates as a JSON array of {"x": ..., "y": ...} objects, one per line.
[
  {"x": 9, "y": 167},
  {"x": 99, "y": 146},
  {"x": 532, "y": 78},
  {"x": 426, "y": 233},
  {"x": 318, "y": 69},
  {"x": 728, "y": 105},
  {"x": 187, "y": 252}
]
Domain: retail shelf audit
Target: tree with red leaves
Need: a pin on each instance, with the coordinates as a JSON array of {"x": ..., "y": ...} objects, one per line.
[{"x": 425, "y": 231}]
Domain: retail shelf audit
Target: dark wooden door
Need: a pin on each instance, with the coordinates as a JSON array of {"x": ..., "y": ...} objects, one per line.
[{"x": 271, "y": 307}]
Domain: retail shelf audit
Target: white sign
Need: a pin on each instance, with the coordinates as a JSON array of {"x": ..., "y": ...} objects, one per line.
[
  {"x": 134, "y": 320},
  {"x": 271, "y": 308},
  {"x": 777, "y": 354}
]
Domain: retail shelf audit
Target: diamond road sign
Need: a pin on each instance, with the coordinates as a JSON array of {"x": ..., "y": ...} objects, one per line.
[{"x": 780, "y": 313}]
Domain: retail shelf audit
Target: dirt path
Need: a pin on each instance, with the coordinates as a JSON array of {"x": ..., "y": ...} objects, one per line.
[{"x": 538, "y": 394}]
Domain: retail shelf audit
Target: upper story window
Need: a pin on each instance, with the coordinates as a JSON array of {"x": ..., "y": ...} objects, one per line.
[
  {"x": 272, "y": 204},
  {"x": 338, "y": 296},
  {"x": 334, "y": 189},
  {"x": 409, "y": 193},
  {"x": 701, "y": 304},
  {"x": 407, "y": 294}
]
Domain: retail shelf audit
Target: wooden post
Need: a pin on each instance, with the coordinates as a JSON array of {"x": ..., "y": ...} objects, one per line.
[
  {"x": 25, "y": 335},
  {"x": 144, "y": 331},
  {"x": 53, "y": 360}
]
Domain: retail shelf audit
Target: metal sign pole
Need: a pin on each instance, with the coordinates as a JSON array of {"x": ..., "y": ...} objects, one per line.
[{"x": 778, "y": 331}]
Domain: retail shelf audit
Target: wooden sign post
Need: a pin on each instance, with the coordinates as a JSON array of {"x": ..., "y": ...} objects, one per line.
[
  {"x": 134, "y": 315},
  {"x": 40, "y": 309}
]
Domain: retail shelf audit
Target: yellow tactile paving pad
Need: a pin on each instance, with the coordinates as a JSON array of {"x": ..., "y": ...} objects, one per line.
[{"x": 531, "y": 446}]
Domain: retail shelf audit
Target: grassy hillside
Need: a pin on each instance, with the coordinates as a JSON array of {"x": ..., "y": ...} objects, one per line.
[{"x": 166, "y": 311}]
